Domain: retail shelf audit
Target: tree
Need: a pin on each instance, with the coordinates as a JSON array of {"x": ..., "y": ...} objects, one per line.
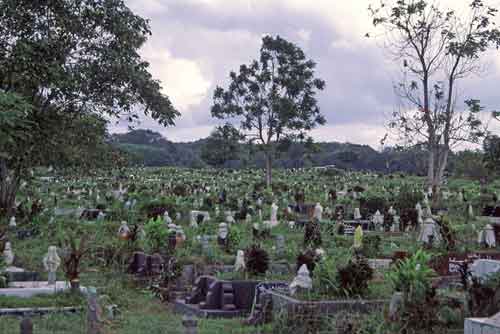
[
  {"x": 222, "y": 145},
  {"x": 273, "y": 97},
  {"x": 491, "y": 148},
  {"x": 71, "y": 61},
  {"x": 437, "y": 49}
]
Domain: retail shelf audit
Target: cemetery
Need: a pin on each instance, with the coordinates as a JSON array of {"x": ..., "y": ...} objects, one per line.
[
  {"x": 220, "y": 247},
  {"x": 166, "y": 166}
]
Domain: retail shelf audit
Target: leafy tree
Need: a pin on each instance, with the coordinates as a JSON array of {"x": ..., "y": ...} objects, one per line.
[
  {"x": 470, "y": 164},
  {"x": 273, "y": 97},
  {"x": 437, "y": 48},
  {"x": 70, "y": 61},
  {"x": 222, "y": 145},
  {"x": 491, "y": 147}
]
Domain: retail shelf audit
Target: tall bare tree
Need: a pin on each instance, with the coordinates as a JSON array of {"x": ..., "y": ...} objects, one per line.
[{"x": 437, "y": 49}]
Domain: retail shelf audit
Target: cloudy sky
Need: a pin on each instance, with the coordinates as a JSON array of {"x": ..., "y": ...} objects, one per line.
[{"x": 196, "y": 43}]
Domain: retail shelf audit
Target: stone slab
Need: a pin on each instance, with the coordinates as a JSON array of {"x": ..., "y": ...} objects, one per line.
[
  {"x": 30, "y": 289},
  {"x": 481, "y": 326}
]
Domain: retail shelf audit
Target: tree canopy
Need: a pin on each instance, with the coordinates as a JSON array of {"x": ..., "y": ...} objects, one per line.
[
  {"x": 74, "y": 63},
  {"x": 274, "y": 98}
]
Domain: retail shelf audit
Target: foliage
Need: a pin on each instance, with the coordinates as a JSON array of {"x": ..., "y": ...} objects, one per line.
[
  {"x": 371, "y": 246},
  {"x": 412, "y": 277},
  {"x": 256, "y": 260},
  {"x": 156, "y": 234},
  {"x": 274, "y": 97},
  {"x": 312, "y": 234},
  {"x": 222, "y": 145},
  {"x": 353, "y": 278},
  {"x": 74, "y": 248},
  {"x": 483, "y": 296},
  {"x": 491, "y": 148},
  {"x": 437, "y": 48},
  {"x": 64, "y": 65},
  {"x": 407, "y": 198}
]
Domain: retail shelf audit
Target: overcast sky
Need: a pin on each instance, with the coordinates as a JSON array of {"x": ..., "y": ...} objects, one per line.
[{"x": 196, "y": 43}]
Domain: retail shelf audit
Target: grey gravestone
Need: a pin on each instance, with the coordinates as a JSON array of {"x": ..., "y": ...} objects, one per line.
[
  {"x": 280, "y": 245},
  {"x": 26, "y": 326}
]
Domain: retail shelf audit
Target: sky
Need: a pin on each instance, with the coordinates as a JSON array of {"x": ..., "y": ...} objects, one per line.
[{"x": 195, "y": 44}]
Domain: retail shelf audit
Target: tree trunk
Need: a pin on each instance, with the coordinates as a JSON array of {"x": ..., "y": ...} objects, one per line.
[
  {"x": 269, "y": 169},
  {"x": 9, "y": 183}
]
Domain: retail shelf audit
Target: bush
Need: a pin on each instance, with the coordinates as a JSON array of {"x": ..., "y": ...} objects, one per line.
[
  {"x": 407, "y": 198},
  {"x": 256, "y": 260},
  {"x": 156, "y": 234},
  {"x": 354, "y": 277}
]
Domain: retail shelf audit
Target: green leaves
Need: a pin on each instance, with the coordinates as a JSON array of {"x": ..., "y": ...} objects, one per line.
[{"x": 274, "y": 95}]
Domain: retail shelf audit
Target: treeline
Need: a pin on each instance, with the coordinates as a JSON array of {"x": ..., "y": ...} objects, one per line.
[{"x": 149, "y": 148}]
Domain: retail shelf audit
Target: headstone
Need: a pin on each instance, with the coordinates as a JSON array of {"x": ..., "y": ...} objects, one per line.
[
  {"x": 357, "y": 214},
  {"x": 239, "y": 264},
  {"x": 166, "y": 218},
  {"x": 429, "y": 232},
  {"x": 94, "y": 312},
  {"x": 378, "y": 220},
  {"x": 124, "y": 231},
  {"x": 274, "y": 214},
  {"x": 12, "y": 222},
  {"x": 26, "y": 326},
  {"x": 8, "y": 254},
  {"x": 487, "y": 236},
  {"x": 318, "y": 212},
  {"x": 358, "y": 237},
  {"x": 190, "y": 324},
  {"x": 302, "y": 281},
  {"x": 280, "y": 245},
  {"x": 482, "y": 268},
  {"x": 222, "y": 236},
  {"x": 51, "y": 262}
]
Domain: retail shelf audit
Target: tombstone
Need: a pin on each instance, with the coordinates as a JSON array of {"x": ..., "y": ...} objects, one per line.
[
  {"x": 302, "y": 281},
  {"x": 391, "y": 211},
  {"x": 155, "y": 264},
  {"x": 180, "y": 236},
  {"x": 318, "y": 212},
  {"x": 230, "y": 218},
  {"x": 190, "y": 324},
  {"x": 248, "y": 218},
  {"x": 51, "y": 262},
  {"x": 205, "y": 244},
  {"x": 239, "y": 264},
  {"x": 124, "y": 231},
  {"x": 395, "y": 224},
  {"x": 94, "y": 312},
  {"x": 8, "y": 254},
  {"x": 100, "y": 216},
  {"x": 357, "y": 214},
  {"x": 26, "y": 326},
  {"x": 358, "y": 237},
  {"x": 429, "y": 232},
  {"x": 274, "y": 215},
  {"x": 470, "y": 211},
  {"x": 482, "y": 268},
  {"x": 487, "y": 236},
  {"x": 12, "y": 222},
  {"x": 166, "y": 218},
  {"x": 138, "y": 263},
  {"x": 378, "y": 220},
  {"x": 222, "y": 235},
  {"x": 280, "y": 245}
]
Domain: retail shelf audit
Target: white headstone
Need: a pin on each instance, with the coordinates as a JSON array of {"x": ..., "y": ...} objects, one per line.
[{"x": 302, "y": 280}]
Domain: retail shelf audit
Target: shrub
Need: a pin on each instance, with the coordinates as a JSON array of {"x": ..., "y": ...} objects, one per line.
[
  {"x": 407, "y": 198},
  {"x": 353, "y": 278},
  {"x": 156, "y": 234},
  {"x": 256, "y": 260}
]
